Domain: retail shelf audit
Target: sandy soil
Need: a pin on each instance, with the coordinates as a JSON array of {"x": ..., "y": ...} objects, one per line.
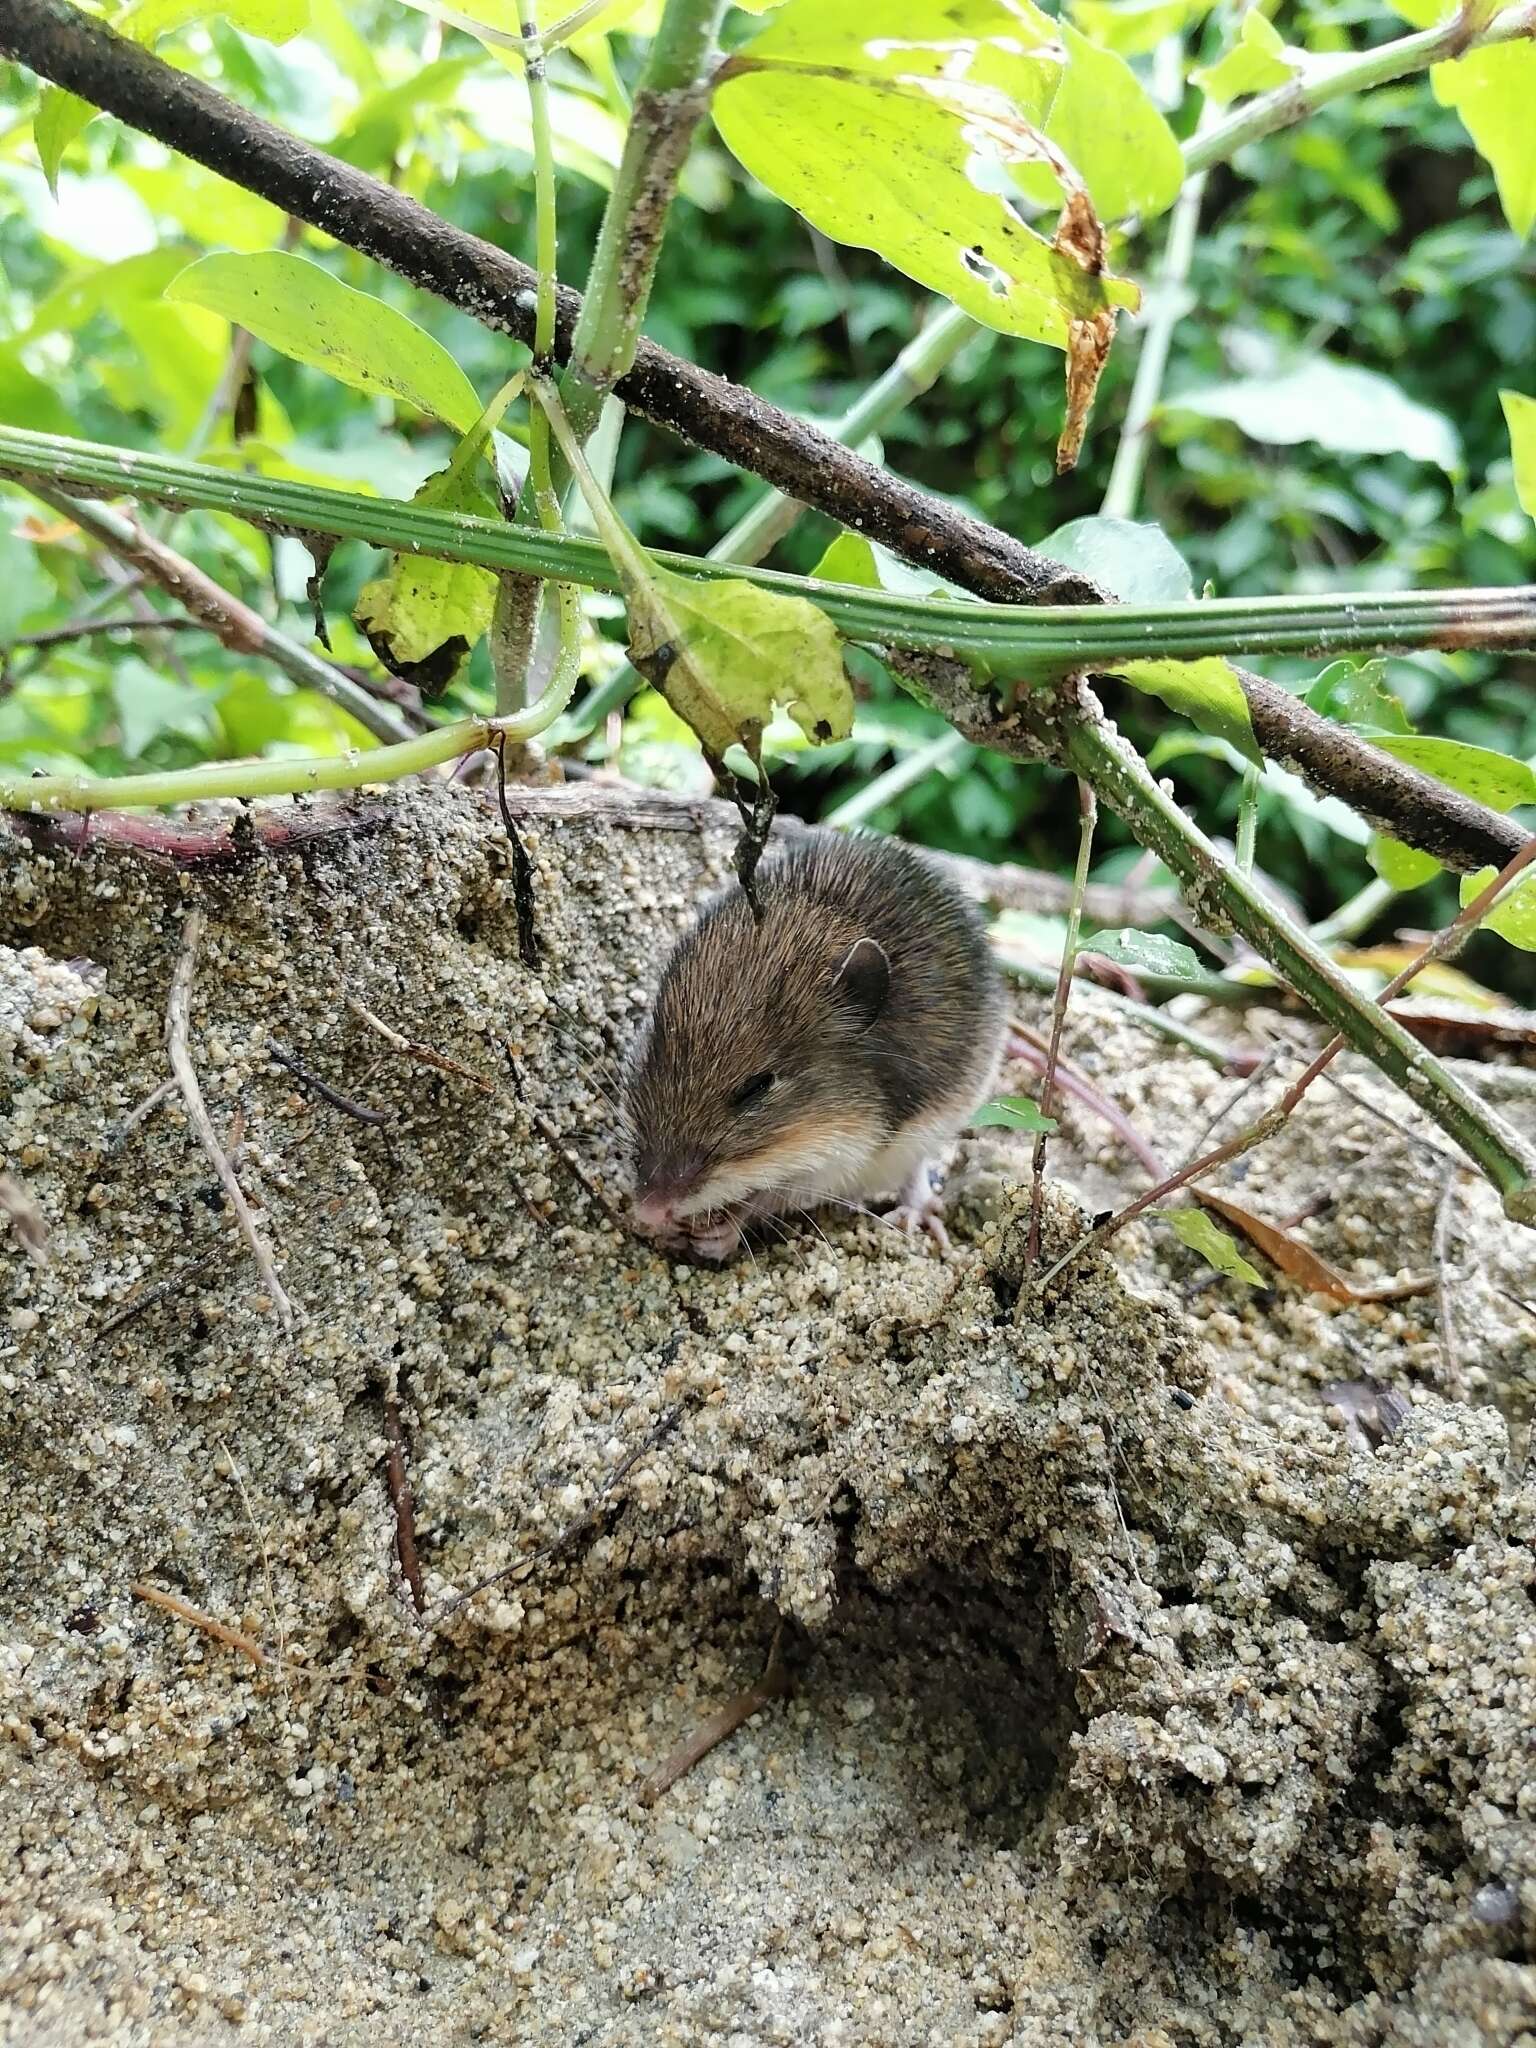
[{"x": 1133, "y": 1699}]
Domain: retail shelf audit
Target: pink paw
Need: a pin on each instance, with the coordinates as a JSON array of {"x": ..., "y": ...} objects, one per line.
[
  {"x": 921, "y": 1208},
  {"x": 703, "y": 1237}
]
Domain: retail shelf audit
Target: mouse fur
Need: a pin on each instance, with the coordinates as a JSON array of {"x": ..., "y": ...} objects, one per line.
[{"x": 824, "y": 1052}]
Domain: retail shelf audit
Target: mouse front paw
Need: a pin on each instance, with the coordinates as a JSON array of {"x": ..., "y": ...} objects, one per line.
[{"x": 921, "y": 1208}]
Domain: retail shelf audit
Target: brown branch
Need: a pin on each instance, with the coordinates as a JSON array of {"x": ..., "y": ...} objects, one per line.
[
  {"x": 723, "y": 1723},
  {"x": 61, "y": 44},
  {"x": 403, "y": 1502}
]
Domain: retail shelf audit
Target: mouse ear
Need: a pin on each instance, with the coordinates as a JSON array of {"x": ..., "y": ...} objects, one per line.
[{"x": 863, "y": 981}]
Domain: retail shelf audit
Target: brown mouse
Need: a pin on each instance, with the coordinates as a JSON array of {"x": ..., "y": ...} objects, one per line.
[{"x": 827, "y": 1052}]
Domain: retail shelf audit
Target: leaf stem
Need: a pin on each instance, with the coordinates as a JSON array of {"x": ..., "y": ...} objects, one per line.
[
  {"x": 905, "y": 774},
  {"x": 669, "y": 102},
  {"x": 1303, "y": 95},
  {"x": 1218, "y": 893}
]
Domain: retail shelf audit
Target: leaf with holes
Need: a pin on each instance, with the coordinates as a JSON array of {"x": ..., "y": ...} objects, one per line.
[
  {"x": 301, "y": 310},
  {"x": 724, "y": 653},
  {"x": 1194, "y": 1228},
  {"x": 1206, "y": 691},
  {"x": 1356, "y": 694},
  {"x": 1012, "y": 1113},
  {"x": 873, "y": 134},
  {"x": 423, "y": 617}
]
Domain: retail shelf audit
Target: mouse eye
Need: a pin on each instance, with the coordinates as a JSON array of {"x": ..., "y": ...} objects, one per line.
[{"x": 752, "y": 1090}]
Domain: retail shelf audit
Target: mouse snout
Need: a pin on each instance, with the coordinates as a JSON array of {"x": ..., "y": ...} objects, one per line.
[{"x": 662, "y": 1190}]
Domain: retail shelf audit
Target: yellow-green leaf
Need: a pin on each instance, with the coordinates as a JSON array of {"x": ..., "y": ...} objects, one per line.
[
  {"x": 1206, "y": 691},
  {"x": 1197, "y": 1230},
  {"x": 59, "y": 119},
  {"x": 308, "y": 314},
  {"x": 1513, "y": 917},
  {"x": 873, "y": 132},
  {"x": 1520, "y": 416},
  {"x": 1109, "y": 130},
  {"x": 1136, "y": 27},
  {"x": 849, "y": 559},
  {"x": 423, "y": 617},
  {"x": 725, "y": 653},
  {"x": 1401, "y": 867},
  {"x": 1255, "y": 62},
  {"x": 1493, "y": 91}
]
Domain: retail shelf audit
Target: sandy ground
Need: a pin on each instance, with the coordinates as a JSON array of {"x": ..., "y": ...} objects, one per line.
[{"x": 1133, "y": 1700}]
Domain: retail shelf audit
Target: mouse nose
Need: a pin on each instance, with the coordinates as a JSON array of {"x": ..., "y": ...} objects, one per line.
[{"x": 660, "y": 1192}]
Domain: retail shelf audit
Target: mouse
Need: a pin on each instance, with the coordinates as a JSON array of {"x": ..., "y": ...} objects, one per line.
[{"x": 828, "y": 1049}]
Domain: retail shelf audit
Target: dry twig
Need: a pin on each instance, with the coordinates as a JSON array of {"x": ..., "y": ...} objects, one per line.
[
  {"x": 428, "y": 1055},
  {"x": 709, "y": 1734},
  {"x": 176, "y": 1030},
  {"x": 403, "y": 1501}
]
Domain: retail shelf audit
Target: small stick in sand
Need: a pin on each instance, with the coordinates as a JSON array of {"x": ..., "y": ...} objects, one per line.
[{"x": 720, "y": 1725}]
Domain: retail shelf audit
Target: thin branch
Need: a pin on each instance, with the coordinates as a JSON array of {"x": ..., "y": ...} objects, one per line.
[
  {"x": 414, "y": 1049},
  {"x": 722, "y": 1724},
  {"x": 194, "y": 1617},
  {"x": 225, "y": 616},
  {"x": 62, "y": 44},
  {"x": 403, "y": 1503},
  {"x": 1334, "y": 78},
  {"x": 325, "y": 1091},
  {"x": 87, "y": 629},
  {"x": 177, "y": 1020},
  {"x": 1088, "y": 813}
]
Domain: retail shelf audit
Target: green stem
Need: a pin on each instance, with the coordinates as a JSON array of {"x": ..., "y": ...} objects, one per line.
[
  {"x": 1248, "y": 818},
  {"x": 669, "y": 102},
  {"x": 351, "y": 770},
  {"x": 1032, "y": 642},
  {"x": 898, "y": 779},
  {"x": 1351, "y": 918},
  {"x": 1304, "y": 94},
  {"x": 918, "y": 367},
  {"x": 1123, "y": 490},
  {"x": 1219, "y": 894},
  {"x": 514, "y": 640}
]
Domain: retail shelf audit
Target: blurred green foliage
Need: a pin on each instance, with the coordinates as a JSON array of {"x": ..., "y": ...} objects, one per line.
[{"x": 1331, "y": 414}]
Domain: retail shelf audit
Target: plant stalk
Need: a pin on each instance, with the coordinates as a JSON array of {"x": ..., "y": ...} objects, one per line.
[
  {"x": 1219, "y": 894},
  {"x": 1038, "y": 643}
]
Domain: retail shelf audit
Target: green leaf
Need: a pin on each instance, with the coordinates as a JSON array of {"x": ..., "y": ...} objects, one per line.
[
  {"x": 1255, "y": 62},
  {"x": 1133, "y": 559},
  {"x": 275, "y": 21},
  {"x": 1494, "y": 92},
  {"x": 1513, "y": 917},
  {"x": 60, "y": 117},
  {"x": 873, "y": 135},
  {"x": 1110, "y": 132},
  {"x": 105, "y": 288},
  {"x": 1340, "y": 406},
  {"x": 1206, "y": 691},
  {"x": 1202, "y": 1235},
  {"x": 423, "y": 617},
  {"x": 150, "y": 705},
  {"x": 26, "y": 588},
  {"x": 1012, "y": 1113},
  {"x": 1402, "y": 867},
  {"x": 850, "y": 559},
  {"x": 1149, "y": 952},
  {"x": 1136, "y": 27},
  {"x": 724, "y": 653},
  {"x": 1520, "y": 416},
  {"x": 1491, "y": 778},
  {"x": 209, "y": 208},
  {"x": 1356, "y": 694},
  {"x": 308, "y": 314}
]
